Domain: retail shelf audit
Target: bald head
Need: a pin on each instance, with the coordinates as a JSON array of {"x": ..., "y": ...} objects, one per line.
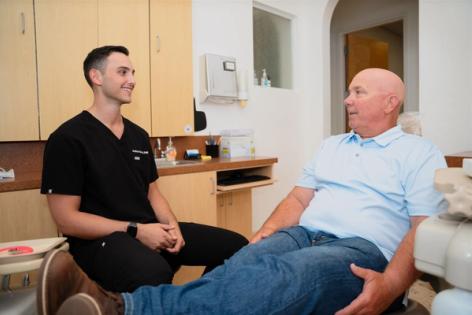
[
  {"x": 374, "y": 101},
  {"x": 384, "y": 81}
]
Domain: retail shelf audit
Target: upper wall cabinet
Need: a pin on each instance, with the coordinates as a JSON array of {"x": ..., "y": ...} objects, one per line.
[
  {"x": 66, "y": 32},
  {"x": 19, "y": 108},
  {"x": 171, "y": 67},
  {"x": 126, "y": 23},
  {"x": 44, "y": 89}
]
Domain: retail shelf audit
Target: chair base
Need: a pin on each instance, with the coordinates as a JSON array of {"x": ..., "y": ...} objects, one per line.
[{"x": 18, "y": 302}]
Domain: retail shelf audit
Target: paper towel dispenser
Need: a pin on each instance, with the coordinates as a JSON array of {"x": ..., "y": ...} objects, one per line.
[{"x": 218, "y": 82}]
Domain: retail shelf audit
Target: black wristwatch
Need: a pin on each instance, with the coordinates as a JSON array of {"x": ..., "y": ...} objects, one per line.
[{"x": 132, "y": 229}]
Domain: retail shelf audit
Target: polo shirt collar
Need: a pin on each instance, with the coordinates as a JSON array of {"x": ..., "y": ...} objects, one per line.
[{"x": 383, "y": 139}]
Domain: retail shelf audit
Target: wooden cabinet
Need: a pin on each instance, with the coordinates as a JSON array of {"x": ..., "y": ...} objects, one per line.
[
  {"x": 66, "y": 31},
  {"x": 25, "y": 215},
  {"x": 43, "y": 83},
  {"x": 192, "y": 197},
  {"x": 171, "y": 67},
  {"x": 19, "y": 109},
  {"x": 235, "y": 211},
  {"x": 126, "y": 23}
]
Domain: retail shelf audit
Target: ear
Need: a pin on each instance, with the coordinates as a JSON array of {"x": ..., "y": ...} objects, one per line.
[
  {"x": 393, "y": 102},
  {"x": 96, "y": 76}
]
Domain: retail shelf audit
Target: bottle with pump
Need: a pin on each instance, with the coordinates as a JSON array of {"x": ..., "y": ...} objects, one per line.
[
  {"x": 264, "y": 79},
  {"x": 158, "y": 153},
  {"x": 171, "y": 151}
]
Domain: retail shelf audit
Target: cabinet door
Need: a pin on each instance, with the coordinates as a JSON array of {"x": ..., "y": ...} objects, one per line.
[
  {"x": 235, "y": 211},
  {"x": 192, "y": 197},
  {"x": 25, "y": 215},
  {"x": 126, "y": 23},
  {"x": 19, "y": 109},
  {"x": 66, "y": 32},
  {"x": 171, "y": 67}
]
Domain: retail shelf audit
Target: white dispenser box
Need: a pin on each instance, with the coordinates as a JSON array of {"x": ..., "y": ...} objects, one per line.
[
  {"x": 218, "y": 81},
  {"x": 237, "y": 143}
]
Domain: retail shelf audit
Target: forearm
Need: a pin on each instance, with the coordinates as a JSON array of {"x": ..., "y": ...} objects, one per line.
[
  {"x": 70, "y": 221},
  {"x": 89, "y": 226},
  {"x": 289, "y": 210},
  {"x": 401, "y": 271}
]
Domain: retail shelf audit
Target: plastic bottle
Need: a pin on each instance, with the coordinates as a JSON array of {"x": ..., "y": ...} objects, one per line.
[
  {"x": 264, "y": 78},
  {"x": 171, "y": 151},
  {"x": 157, "y": 149}
]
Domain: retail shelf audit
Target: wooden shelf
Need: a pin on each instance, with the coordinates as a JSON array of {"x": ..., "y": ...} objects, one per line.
[{"x": 245, "y": 185}]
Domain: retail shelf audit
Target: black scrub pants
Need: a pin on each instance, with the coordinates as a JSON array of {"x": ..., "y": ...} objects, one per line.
[{"x": 120, "y": 263}]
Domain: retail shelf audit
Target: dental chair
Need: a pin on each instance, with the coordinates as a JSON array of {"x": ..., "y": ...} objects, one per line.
[
  {"x": 23, "y": 257},
  {"x": 443, "y": 243}
]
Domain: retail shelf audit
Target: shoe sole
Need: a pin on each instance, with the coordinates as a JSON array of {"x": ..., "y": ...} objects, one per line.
[
  {"x": 42, "y": 283},
  {"x": 80, "y": 304}
]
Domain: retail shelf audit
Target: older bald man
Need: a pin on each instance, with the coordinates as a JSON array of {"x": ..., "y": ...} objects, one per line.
[{"x": 340, "y": 242}]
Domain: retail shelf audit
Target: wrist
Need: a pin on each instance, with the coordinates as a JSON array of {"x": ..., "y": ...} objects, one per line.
[{"x": 132, "y": 229}]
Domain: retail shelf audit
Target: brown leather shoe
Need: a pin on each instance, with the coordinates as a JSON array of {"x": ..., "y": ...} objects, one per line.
[{"x": 60, "y": 278}]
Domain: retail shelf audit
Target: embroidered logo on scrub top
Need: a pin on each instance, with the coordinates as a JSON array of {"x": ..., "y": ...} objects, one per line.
[{"x": 137, "y": 157}]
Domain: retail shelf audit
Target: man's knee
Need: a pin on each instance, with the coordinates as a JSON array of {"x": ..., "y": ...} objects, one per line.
[{"x": 122, "y": 264}]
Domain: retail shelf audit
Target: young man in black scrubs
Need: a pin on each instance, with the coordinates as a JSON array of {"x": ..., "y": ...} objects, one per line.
[{"x": 101, "y": 184}]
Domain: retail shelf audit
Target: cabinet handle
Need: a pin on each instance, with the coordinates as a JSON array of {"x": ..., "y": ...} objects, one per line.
[
  {"x": 158, "y": 43},
  {"x": 23, "y": 23},
  {"x": 213, "y": 185}
]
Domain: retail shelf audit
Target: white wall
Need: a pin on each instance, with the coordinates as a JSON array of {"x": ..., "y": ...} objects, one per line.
[
  {"x": 288, "y": 124},
  {"x": 445, "y": 72}
]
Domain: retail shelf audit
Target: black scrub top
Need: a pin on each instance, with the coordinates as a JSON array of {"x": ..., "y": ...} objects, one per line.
[{"x": 84, "y": 158}]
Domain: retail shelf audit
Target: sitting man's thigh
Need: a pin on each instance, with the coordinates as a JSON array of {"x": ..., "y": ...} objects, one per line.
[
  {"x": 327, "y": 266},
  {"x": 122, "y": 264}
]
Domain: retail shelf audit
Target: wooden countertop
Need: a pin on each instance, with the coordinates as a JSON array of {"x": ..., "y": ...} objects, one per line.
[
  {"x": 32, "y": 180},
  {"x": 455, "y": 160}
]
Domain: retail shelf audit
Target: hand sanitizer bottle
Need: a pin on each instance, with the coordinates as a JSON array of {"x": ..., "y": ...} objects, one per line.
[
  {"x": 264, "y": 79},
  {"x": 171, "y": 151}
]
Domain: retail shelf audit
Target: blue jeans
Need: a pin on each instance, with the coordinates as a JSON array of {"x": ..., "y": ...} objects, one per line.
[{"x": 294, "y": 271}]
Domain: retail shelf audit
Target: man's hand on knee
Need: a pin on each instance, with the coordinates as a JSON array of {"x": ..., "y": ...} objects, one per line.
[
  {"x": 375, "y": 297},
  {"x": 264, "y": 232}
]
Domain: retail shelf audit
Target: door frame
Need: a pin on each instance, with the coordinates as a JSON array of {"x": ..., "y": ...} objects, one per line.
[{"x": 364, "y": 21}]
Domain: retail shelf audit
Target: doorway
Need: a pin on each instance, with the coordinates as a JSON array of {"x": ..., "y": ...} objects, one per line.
[
  {"x": 375, "y": 47},
  {"x": 380, "y": 20}
]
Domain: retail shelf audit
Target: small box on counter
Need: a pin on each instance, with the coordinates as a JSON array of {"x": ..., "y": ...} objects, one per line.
[{"x": 237, "y": 143}]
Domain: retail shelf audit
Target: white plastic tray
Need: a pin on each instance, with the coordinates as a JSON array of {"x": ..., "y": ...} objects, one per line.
[{"x": 39, "y": 246}]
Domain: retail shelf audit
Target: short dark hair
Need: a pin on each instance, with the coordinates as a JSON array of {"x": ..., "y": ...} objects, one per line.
[{"x": 96, "y": 59}]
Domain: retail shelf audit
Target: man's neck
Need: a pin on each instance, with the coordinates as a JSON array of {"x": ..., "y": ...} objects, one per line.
[
  {"x": 109, "y": 115},
  {"x": 373, "y": 134}
]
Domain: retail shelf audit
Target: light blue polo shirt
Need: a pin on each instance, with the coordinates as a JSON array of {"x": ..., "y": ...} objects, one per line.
[{"x": 370, "y": 187}]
